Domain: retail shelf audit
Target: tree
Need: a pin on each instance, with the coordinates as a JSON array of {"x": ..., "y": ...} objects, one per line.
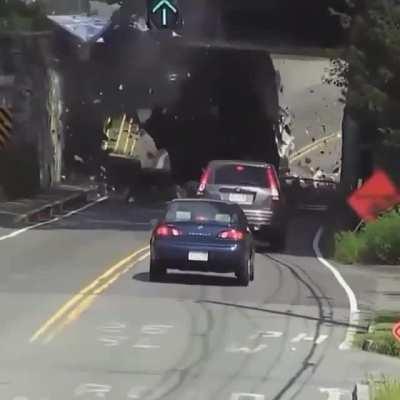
[
  {"x": 19, "y": 15},
  {"x": 368, "y": 70}
]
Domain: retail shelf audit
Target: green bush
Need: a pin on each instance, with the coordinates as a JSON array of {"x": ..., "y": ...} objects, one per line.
[
  {"x": 387, "y": 390},
  {"x": 379, "y": 337},
  {"x": 378, "y": 242},
  {"x": 348, "y": 247},
  {"x": 382, "y": 240},
  {"x": 383, "y": 342}
]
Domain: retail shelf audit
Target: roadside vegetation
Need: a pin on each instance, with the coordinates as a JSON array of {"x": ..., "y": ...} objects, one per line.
[
  {"x": 379, "y": 338},
  {"x": 376, "y": 242},
  {"x": 368, "y": 71},
  {"x": 388, "y": 389}
]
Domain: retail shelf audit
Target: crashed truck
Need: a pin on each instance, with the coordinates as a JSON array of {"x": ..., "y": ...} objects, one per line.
[{"x": 131, "y": 149}]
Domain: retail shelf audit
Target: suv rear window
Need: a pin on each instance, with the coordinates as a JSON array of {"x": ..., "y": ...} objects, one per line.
[
  {"x": 203, "y": 212},
  {"x": 241, "y": 175}
]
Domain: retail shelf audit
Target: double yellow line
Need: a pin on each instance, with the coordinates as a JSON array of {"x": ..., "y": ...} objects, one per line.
[{"x": 80, "y": 302}]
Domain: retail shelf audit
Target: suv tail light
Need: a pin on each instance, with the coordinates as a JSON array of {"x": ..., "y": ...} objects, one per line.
[
  {"x": 273, "y": 182},
  {"x": 203, "y": 180},
  {"x": 231, "y": 234},
  {"x": 166, "y": 230}
]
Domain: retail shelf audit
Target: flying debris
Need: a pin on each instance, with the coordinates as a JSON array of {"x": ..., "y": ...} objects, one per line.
[
  {"x": 78, "y": 159},
  {"x": 285, "y": 139},
  {"x": 87, "y": 29},
  {"x": 138, "y": 23}
]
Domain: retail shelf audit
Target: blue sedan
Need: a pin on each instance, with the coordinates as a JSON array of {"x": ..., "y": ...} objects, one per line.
[{"x": 203, "y": 235}]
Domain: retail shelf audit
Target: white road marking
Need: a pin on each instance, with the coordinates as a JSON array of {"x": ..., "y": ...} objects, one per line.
[
  {"x": 267, "y": 335},
  {"x": 50, "y": 221},
  {"x": 112, "y": 341},
  {"x": 305, "y": 337},
  {"x": 335, "y": 393},
  {"x": 145, "y": 344},
  {"x": 113, "y": 334},
  {"x": 137, "y": 392},
  {"x": 354, "y": 310},
  {"x": 321, "y": 338},
  {"x": 247, "y": 396},
  {"x": 156, "y": 329},
  {"x": 98, "y": 390},
  {"x": 114, "y": 327},
  {"x": 247, "y": 350}
]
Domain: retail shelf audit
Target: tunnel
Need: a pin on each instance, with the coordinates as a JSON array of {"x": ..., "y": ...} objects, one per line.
[
  {"x": 208, "y": 99},
  {"x": 206, "y": 102}
]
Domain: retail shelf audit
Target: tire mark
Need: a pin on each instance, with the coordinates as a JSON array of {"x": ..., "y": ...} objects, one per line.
[
  {"x": 320, "y": 322},
  {"x": 182, "y": 380},
  {"x": 248, "y": 358},
  {"x": 182, "y": 373},
  {"x": 288, "y": 322},
  {"x": 330, "y": 313}
]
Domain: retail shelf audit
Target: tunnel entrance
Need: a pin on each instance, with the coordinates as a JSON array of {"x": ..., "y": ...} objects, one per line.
[{"x": 206, "y": 102}]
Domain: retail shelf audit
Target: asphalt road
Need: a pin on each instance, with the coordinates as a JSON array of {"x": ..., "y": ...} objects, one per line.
[
  {"x": 317, "y": 111},
  {"x": 190, "y": 337}
]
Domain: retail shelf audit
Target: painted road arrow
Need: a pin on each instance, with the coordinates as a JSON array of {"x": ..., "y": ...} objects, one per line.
[{"x": 164, "y": 6}]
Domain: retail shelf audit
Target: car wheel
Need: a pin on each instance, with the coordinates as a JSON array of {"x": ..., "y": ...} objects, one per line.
[
  {"x": 243, "y": 275},
  {"x": 156, "y": 271},
  {"x": 278, "y": 241}
]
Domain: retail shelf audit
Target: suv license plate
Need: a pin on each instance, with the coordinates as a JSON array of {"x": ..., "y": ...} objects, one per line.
[
  {"x": 198, "y": 256},
  {"x": 238, "y": 198}
]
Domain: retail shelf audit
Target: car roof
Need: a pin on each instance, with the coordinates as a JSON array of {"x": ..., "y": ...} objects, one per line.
[{"x": 241, "y": 162}]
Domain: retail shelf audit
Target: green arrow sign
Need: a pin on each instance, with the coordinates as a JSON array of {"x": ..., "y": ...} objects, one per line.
[{"x": 164, "y": 6}]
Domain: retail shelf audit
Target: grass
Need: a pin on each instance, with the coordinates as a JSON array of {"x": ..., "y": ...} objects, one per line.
[
  {"x": 377, "y": 242},
  {"x": 389, "y": 389},
  {"x": 379, "y": 338}
]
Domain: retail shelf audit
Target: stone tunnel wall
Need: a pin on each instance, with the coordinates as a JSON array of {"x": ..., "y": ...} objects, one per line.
[{"x": 33, "y": 161}]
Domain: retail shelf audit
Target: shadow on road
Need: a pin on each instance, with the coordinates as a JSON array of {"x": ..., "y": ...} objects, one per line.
[
  {"x": 116, "y": 215},
  {"x": 325, "y": 321},
  {"x": 191, "y": 279}
]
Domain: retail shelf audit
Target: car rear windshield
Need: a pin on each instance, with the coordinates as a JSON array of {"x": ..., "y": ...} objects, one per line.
[
  {"x": 202, "y": 212},
  {"x": 241, "y": 175}
]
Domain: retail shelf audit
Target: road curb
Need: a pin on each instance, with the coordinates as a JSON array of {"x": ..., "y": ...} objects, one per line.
[
  {"x": 361, "y": 392},
  {"x": 47, "y": 211}
]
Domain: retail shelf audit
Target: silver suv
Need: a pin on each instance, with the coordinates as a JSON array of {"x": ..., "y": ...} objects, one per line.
[{"x": 255, "y": 187}]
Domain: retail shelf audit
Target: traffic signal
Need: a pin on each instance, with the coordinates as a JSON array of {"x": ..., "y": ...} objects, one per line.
[{"x": 163, "y": 14}]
